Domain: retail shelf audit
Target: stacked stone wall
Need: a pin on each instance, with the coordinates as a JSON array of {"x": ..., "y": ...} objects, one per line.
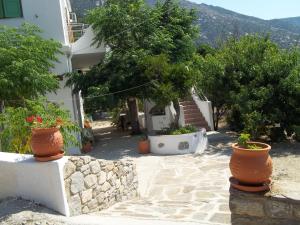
[
  {"x": 253, "y": 209},
  {"x": 92, "y": 184}
]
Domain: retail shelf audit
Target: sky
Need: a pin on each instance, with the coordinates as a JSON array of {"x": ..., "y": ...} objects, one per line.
[{"x": 264, "y": 9}]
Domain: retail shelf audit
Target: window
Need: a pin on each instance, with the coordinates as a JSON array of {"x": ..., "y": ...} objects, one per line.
[{"x": 10, "y": 9}]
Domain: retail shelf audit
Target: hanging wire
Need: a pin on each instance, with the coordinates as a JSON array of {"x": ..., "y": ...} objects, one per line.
[
  {"x": 112, "y": 93},
  {"x": 96, "y": 96}
]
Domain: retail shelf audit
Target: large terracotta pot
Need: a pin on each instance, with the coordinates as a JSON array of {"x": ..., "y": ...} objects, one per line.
[
  {"x": 47, "y": 144},
  {"x": 251, "y": 166},
  {"x": 144, "y": 147}
]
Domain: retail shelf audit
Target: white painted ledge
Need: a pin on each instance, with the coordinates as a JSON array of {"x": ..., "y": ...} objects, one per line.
[
  {"x": 179, "y": 144},
  {"x": 42, "y": 182}
]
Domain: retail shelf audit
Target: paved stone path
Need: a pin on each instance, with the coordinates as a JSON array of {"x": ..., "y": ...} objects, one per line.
[
  {"x": 190, "y": 188},
  {"x": 174, "y": 190}
]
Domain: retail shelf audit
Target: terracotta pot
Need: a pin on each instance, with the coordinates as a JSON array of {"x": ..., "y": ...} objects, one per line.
[
  {"x": 47, "y": 144},
  {"x": 87, "y": 147},
  {"x": 144, "y": 147},
  {"x": 251, "y": 166}
]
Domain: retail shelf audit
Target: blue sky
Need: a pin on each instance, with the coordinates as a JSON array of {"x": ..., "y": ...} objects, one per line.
[{"x": 264, "y": 9}]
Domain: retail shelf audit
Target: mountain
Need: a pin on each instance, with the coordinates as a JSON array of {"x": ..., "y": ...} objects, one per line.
[{"x": 217, "y": 24}]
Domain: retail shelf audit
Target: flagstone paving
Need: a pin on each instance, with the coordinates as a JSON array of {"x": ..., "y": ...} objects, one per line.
[
  {"x": 181, "y": 189},
  {"x": 190, "y": 188}
]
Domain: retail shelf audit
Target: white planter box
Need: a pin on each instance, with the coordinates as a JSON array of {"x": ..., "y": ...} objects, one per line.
[
  {"x": 179, "y": 144},
  {"x": 42, "y": 182}
]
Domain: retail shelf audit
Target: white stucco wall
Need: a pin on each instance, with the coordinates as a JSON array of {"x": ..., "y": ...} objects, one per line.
[
  {"x": 179, "y": 144},
  {"x": 22, "y": 176},
  {"x": 159, "y": 122},
  {"x": 206, "y": 109},
  {"x": 49, "y": 15}
]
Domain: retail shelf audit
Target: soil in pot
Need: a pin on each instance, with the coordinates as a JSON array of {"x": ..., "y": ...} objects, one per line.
[
  {"x": 252, "y": 167},
  {"x": 47, "y": 144},
  {"x": 144, "y": 147}
]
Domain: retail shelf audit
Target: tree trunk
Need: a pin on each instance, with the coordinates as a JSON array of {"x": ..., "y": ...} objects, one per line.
[
  {"x": 1, "y": 106},
  {"x": 133, "y": 115},
  {"x": 216, "y": 118},
  {"x": 177, "y": 116}
]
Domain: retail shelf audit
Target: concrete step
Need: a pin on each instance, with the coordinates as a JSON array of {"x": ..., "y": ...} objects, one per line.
[
  {"x": 190, "y": 107},
  {"x": 195, "y": 120},
  {"x": 188, "y": 104},
  {"x": 193, "y": 116}
]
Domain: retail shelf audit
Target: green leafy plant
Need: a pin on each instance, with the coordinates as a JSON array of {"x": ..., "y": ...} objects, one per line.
[
  {"x": 26, "y": 61},
  {"x": 182, "y": 130},
  {"x": 87, "y": 136},
  {"x": 15, "y": 134},
  {"x": 254, "y": 83},
  {"x": 17, "y": 123},
  {"x": 297, "y": 132},
  {"x": 243, "y": 141},
  {"x": 157, "y": 55}
]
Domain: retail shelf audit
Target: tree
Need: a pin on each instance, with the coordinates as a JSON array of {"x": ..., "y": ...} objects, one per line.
[
  {"x": 161, "y": 37},
  {"x": 256, "y": 82},
  {"x": 25, "y": 62}
]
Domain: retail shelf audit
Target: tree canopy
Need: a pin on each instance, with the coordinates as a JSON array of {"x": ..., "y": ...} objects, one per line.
[
  {"x": 25, "y": 62},
  {"x": 256, "y": 82},
  {"x": 147, "y": 45}
]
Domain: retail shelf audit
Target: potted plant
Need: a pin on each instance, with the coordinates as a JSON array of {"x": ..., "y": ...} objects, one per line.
[
  {"x": 87, "y": 138},
  {"x": 250, "y": 165},
  {"x": 51, "y": 130},
  {"x": 144, "y": 145},
  {"x": 37, "y": 127}
]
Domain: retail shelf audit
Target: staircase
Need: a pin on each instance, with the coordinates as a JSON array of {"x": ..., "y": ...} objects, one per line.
[{"x": 192, "y": 114}]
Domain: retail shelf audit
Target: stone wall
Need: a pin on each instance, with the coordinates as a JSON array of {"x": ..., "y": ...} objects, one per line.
[
  {"x": 92, "y": 184},
  {"x": 264, "y": 209}
]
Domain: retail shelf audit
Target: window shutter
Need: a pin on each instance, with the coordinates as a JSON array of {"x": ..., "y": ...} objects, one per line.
[
  {"x": 1, "y": 10},
  {"x": 12, "y": 8}
]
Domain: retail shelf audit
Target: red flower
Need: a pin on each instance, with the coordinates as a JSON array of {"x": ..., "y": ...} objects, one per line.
[
  {"x": 39, "y": 119},
  {"x": 30, "y": 119}
]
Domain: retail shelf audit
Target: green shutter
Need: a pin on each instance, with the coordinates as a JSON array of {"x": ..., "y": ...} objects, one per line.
[
  {"x": 12, "y": 8},
  {"x": 1, "y": 10}
]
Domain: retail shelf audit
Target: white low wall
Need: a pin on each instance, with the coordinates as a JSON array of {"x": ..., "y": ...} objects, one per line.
[
  {"x": 179, "y": 144},
  {"x": 206, "y": 109},
  {"x": 42, "y": 182}
]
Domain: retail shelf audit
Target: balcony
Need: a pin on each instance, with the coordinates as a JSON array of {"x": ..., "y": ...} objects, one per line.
[{"x": 84, "y": 52}]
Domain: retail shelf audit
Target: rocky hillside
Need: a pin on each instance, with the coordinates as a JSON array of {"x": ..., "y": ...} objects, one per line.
[{"x": 217, "y": 23}]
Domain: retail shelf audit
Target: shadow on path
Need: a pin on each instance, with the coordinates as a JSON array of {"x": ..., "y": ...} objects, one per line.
[{"x": 112, "y": 144}]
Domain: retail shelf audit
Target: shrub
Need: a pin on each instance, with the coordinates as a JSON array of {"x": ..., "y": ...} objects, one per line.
[
  {"x": 174, "y": 131},
  {"x": 17, "y": 124},
  {"x": 256, "y": 82}
]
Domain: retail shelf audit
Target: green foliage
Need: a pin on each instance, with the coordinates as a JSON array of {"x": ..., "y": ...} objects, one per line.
[
  {"x": 17, "y": 123},
  {"x": 153, "y": 46},
  {"x": 256, "y": 82},
  {"x": 297, "y": 132},
  {"x": 243, "y": 141},
  {"x": 184, "y": 130},
  {"x": 25, "y": 62},
  {"x": 177, "y": 131},
  {"x": 15, "y": 137},
  {"x": 87, "y": 136}
]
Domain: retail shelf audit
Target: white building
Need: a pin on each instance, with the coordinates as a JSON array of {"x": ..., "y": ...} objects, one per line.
[{"x": 56, "y": 19}]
